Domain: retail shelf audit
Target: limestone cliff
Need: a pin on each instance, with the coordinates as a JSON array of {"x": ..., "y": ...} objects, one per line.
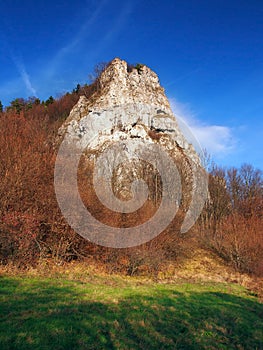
[
  {"x": 130, "y": 114},
  {"x": 141, "y": 109}
]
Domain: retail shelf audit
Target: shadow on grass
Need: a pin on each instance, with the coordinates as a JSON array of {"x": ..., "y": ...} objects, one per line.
[{"x": 42, "y": 314}]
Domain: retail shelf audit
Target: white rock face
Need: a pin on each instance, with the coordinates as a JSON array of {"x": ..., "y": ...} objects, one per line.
[
  {"x": 128, "y": 105},
  {"x": 138, "y": 86}
]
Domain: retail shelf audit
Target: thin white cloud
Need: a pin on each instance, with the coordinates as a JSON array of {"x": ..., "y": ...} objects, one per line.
[
  {"x": 78, "y": 42},
  {"x": 217, "y": 140},
  {"x": 24, "y": 75},
  {"x": 77, "y": 39},
  {"x": 119, "y": 21},
  {"x": 26, "y": 80}
]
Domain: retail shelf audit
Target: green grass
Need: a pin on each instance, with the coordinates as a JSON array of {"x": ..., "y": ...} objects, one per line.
[{"x": 118, "y": 313}]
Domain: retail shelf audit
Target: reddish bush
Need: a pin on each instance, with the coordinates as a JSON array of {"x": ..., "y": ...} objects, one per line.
[
  {"x": 20, "y": 238},
  {"x": 236, "y": 234}
]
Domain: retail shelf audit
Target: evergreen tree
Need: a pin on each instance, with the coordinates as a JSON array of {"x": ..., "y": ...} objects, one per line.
[{"x": 50, "y": 100}]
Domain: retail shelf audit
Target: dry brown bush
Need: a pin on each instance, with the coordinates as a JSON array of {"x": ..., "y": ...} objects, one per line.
[
  {"x": 232, "y": 221},
  {"x": 239, "y": 241},
  {"x": 27, "y": 192}
]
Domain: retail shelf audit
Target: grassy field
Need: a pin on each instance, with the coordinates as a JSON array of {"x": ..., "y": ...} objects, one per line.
[{"x": 125, "y": 313}]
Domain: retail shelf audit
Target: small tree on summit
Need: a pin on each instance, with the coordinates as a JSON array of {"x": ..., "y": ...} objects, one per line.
[{"x": 1, "y": 107}]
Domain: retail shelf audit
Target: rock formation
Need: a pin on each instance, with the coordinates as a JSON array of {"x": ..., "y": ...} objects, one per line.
[
  {"x": 130, "y": 114},
  {"x": 127, "y": 92}
]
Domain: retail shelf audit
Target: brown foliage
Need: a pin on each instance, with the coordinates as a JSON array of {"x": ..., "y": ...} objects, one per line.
[
  {"x": 31, "y": 224},
  {"x": 232, "y": 221}
]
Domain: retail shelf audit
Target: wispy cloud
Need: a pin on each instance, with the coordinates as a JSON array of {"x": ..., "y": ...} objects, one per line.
[
  {"x": 27, "y": 81},
  {"x": 77, "y": 44},
  {"x": 217, "y": 140},
  {"x": 118, "y": 22},
  {"x": 24, "y": 75},
  {"x": 16, "y": 58},
  {"x": 86, "y": 44},
  {"x": 74, "y": 41}
]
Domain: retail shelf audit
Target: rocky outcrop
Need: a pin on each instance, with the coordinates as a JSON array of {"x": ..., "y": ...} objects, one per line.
[
  {"x": 128, "y": 104},
  {"x": 127, "y": 127}
]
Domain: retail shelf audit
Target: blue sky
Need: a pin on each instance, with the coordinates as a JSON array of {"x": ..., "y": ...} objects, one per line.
[{"x": 207, "y": 53}]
